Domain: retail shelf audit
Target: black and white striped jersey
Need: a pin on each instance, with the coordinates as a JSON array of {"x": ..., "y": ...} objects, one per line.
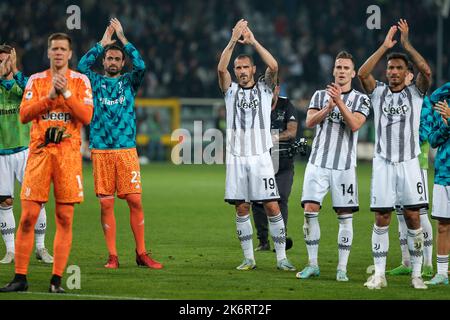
[
  {"x": 397, "y": 120},
  {"x": 334, "y": 145},
  {"x": 248, "y": 119}
]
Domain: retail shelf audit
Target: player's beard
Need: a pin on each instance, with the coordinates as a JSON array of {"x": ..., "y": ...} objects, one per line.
[
  {"x": 243, "y": 81},
  {"x": 113, "y": 71}
]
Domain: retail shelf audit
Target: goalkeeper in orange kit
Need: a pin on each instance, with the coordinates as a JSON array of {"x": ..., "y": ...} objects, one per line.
[{"x": 58, "y": 102}]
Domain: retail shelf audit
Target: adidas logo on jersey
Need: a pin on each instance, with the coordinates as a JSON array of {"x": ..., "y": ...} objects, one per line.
[
  {"x": 273, "y": 194},
  {"x": 351, "y": 202}
]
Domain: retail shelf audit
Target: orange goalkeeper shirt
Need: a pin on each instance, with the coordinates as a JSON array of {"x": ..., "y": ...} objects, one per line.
[{"x": 72, "y": 113}]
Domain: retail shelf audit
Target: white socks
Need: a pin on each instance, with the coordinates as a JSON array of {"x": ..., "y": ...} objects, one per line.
[
  {"x": 415, "y": 245},
  {"x": 427, "y": 234},
  {"x": 311, "y": 232},
  {"x": 442, "y": 265},
  {"x": 403, "y": 237},
  {"x": 40, "y": 228},
  {"x": 278, "y": 231},
  {"x": 345, "y": 239},
  {"x": 380, "y": 248},
  {"x": 7, "y": 227},
  {"x": 245, "y": 234},
  {"x": 427, "y": 237}
]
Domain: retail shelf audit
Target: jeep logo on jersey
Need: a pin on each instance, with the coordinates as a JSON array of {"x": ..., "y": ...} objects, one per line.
[
  {"x": 335, "y": 116},
  {"x": 249, "y": 105},
  {"x": 57, "y": 116},
  {"x": 397, "y": 110}
]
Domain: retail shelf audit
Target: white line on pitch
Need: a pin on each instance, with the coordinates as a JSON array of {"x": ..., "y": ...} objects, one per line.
[{"x": 86, "y": 296}]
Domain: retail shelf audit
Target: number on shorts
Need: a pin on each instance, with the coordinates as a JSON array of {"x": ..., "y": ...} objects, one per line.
[
  {"x": 270, "y": 182},
  {"x": 349, "y": 189},
  {"x": 419, "y": 188},
  {"x": 136, "y": 177},
  {"x": 80, "y": 185}
]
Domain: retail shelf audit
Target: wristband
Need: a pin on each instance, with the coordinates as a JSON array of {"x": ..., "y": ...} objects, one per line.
[{"x": 67, "y": 94}]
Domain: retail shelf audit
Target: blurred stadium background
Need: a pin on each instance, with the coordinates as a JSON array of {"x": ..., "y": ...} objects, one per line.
[{"x": 181, "y": 42}]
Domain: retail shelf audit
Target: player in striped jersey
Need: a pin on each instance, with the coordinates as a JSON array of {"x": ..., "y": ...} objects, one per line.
[
  {"x": 14, "y": 140},
  {"x": 439, "y": 137},
  {"x": 337, "y": 113},
  {"x": 396, "y": 175},
  {"x": 249, "y": 169},
  {"x": 405, "y": 266}
]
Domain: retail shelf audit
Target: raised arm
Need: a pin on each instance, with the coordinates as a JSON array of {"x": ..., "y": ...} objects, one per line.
[
  {"x": 88, "y": 60},
  {"x": 271, "y": 73},
  {"x": 20, "y": 78},
  {"x": 222, "y": 68},
  {"x": 365, "y": 71},
  {"x": 423, "y": 80}
]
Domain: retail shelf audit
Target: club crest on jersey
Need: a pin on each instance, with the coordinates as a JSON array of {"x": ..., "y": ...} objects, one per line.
[
  {"x": 280, "y": 116},
  {"x": 57, "y": 116},
  {"x": 253, "y": 104}
]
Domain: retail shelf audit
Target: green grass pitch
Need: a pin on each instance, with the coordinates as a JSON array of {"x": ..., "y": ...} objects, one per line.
[{"x": 191, "y": 230}]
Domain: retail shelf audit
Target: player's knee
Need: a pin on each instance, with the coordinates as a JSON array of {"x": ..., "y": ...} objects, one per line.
[
  {"x": 6, "y": 201},
  {"x": 382, "y": 219},
  {"x": 312, "y": 207},
  {"x": 64, "y": 221},
  {"x": 26, "y": 223},
  {"x": 272, "y": 208},
  {"x": 134, "y": 201},
  {"x": 243, "y": 208},
  {"x": 106, "y": 204},
  {"x": 443, "y": 227}
]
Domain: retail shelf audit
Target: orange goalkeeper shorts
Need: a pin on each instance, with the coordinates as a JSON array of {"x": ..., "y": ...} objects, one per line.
[
  {"x": 116, "y": 170},
  {"x": 60, "y": 164}
]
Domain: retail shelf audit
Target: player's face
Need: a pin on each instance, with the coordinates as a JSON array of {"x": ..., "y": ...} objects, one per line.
[
  {"x": 344, "y": 71},
  {"x": 113, "y": 62},
  {"x": 244, "y": 71},
  {"x": 396, "y": 72},
  {"x": 59, "y": 53}
]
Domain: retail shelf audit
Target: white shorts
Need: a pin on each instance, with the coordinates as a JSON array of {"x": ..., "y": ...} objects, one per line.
[
  {"x": 424, "y": 174},
  {"x": 441, "y": 202},
  {"x": 12, "y": 166},
  {"x": 342, "y": 183},
  {"x": 400, "y": 184},
  {"x": 250, "y": 179}
]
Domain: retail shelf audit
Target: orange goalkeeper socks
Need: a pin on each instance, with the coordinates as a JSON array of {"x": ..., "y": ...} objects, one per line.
[
  {"x": 109, "y": 223},
  {"x": 25, "y": 235},
  {"x": 137, "y": 220},
  {"x": 63, "y": 237}
]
